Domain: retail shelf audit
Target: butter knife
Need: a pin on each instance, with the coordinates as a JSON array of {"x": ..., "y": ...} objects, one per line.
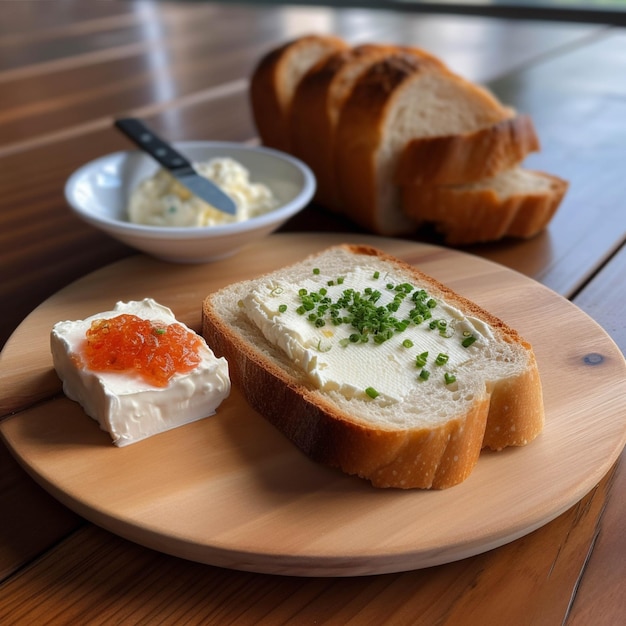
[{"x": 176, "y": 164}]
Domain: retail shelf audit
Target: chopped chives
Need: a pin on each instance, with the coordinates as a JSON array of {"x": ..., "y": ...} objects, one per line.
[
  {"x": 407, "y": 343},
  {"x": 316, "y": 270},
  {"x": 441, "y": 359},
  {"x": 282, "y": 308},
  {"x": 420, "y": 359},
  {"x": 449, "y": 378},
  {"x": 371, "y": 392},
  {"x": 468, "y": 341},
  {"x": 424, "y": 375}
]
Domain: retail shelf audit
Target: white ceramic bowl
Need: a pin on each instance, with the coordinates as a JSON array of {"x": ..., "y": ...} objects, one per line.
[{"x": 98, "y": 193}]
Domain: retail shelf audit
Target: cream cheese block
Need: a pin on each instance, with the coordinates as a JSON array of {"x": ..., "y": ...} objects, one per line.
[{"x": 123, "y": 404}]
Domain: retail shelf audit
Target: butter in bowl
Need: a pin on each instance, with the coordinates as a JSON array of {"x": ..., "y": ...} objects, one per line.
[{"x": 131, "y": 198}]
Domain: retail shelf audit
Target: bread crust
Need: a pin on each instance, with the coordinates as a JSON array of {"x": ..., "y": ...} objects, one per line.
[
  {"x": 271, "y": 88},
  {"x": 316, "y": 107},
  {"x": 436, "y": 457},
  {"x": 469, "y": 157},
  {"x": 466, "y": 215}
]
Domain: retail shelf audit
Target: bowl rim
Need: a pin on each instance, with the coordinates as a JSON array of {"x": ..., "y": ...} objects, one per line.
[{"x": 264, "y": 220}]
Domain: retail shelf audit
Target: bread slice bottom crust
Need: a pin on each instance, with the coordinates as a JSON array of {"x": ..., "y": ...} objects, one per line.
[
  {"x": 466, "y": 214},
  {"x": 509, "y": 412}
]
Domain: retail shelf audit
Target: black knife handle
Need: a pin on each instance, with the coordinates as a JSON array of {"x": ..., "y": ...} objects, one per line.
[{"x": 151, "y": 143}]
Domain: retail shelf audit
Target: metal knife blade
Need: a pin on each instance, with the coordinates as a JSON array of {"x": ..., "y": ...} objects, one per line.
[{"x": 176, "y": 164}]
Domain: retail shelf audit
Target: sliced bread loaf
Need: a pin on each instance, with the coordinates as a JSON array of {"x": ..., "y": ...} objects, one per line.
[
  {"x": 515, "y": 203},
  {"x": 399, "y": 99},
  {"x": 404, "y": 396},
  {"x": 274, "y": 82}
]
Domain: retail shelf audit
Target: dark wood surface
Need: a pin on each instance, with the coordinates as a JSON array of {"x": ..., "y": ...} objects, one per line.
[{"x": 67, "y": 69}]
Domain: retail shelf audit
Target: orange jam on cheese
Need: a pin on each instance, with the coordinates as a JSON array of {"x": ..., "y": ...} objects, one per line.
[{"x": 154, "y": 351}]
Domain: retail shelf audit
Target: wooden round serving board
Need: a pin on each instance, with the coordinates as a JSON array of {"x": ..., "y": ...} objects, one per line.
[{"x": 231, "y": 491}]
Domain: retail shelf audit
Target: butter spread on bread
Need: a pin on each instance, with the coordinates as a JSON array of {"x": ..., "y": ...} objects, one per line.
[
  {"x": 366, "y": 407},
  {"x": 366, "y": 331},
  {"x": 125, "y": 405}
]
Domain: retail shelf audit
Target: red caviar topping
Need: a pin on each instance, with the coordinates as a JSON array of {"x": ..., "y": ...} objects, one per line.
[{"x": 126, "y": 344}]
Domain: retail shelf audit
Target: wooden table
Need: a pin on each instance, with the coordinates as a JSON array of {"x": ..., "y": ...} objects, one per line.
[{"x": 67, "y": 69}]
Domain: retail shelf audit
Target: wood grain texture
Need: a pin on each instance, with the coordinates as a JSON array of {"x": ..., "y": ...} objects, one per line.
[
  {"x": 97, "y": 578},
  {"x": 599, "y": 597},
  {"x": 569, "y": 77},
  {"x": 321, "y": 522},
  {"x": 25, "y": 505}
]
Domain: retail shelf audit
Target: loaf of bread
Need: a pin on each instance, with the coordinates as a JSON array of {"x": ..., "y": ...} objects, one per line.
[
  {"x": 514, "y": 203},
  {"x": 373, "y": 121},
  {"x": 368, "y": 365}
]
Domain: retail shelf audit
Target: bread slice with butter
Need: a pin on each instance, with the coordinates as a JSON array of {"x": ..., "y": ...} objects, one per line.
[{"x": 369, "y": 365}]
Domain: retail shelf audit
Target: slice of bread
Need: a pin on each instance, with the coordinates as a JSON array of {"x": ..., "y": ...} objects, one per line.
[
  {"x": 515, "y": 203},
  {"x": 400, "y": 99},
  {"x": 467, "y": 157},
  {"x": 318, "y": 384},
  {"x": 318, "y": 102},
  {"x": 274, "y": 82},
  {"x": 316, "y": 106}
]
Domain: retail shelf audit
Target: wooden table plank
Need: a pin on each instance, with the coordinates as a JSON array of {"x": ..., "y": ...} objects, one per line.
[
  {"x": 26, "y": 17},
  {"x": 23, "y": 536},
  {"x": 603, "y": 298},
  {"x": 163, "y": 55},
  {"x": 578, "y": 103}
]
